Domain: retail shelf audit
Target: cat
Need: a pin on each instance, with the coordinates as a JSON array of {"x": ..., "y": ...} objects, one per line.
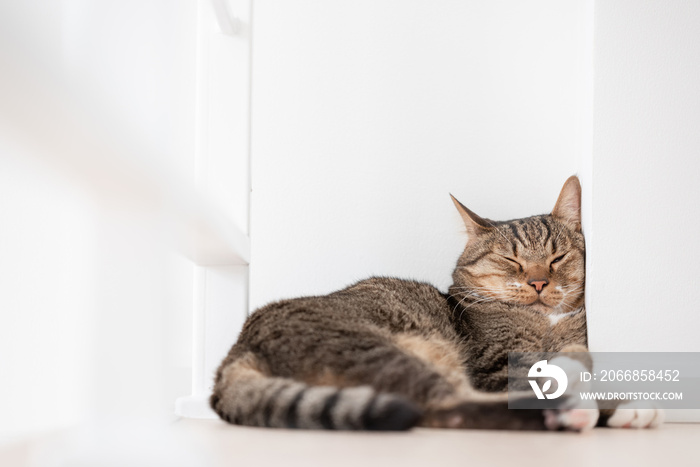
[{"x": 390, "y": 354}]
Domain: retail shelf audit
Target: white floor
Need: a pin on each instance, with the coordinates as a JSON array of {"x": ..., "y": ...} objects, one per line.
[{"x": 214, "y": 443}]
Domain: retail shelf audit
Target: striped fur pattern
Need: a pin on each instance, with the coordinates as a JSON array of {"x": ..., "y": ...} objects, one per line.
[
  {"x": 389, "y": 354},
  {"x": 249, "y": 397}
]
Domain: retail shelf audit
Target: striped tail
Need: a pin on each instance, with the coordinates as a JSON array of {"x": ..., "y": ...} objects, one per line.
[{"x": 245, "y": 396}]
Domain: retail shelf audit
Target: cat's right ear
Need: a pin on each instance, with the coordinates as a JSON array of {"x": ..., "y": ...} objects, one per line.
[{"x": 475, "y": 225}]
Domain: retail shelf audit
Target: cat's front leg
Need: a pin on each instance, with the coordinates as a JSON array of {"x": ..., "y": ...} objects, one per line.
[{"x": 577, "y": 412}]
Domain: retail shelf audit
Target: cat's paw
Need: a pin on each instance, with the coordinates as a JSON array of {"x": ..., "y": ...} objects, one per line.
[
  {"x": 635, "y": 415},
  {"x": 575, "y": 414},
  {"x": 572, "y": 419}
]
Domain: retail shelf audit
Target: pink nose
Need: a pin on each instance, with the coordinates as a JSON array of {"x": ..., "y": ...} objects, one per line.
[{"x": 538, "y": 285}]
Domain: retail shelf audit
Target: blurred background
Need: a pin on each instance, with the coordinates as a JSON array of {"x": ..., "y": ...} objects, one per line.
[
  {"x": 166, "y": 166},
  {"x": 114, "y": 199}
]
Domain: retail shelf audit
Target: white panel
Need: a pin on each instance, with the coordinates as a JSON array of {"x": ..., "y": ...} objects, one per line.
[
  {"x": 223, "y": 172},
  {"x": 367, "y": 113},
  {"x": 227, "y": 300},
  {"x": 646, "y": 195},
  {"x": 227, "y": 165},
  {"x": 221, "y": 298},
  {"x": 645, "y": 191}
]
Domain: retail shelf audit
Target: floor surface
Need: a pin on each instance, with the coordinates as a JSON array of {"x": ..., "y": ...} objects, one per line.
[{"x": 213, "y": 443}]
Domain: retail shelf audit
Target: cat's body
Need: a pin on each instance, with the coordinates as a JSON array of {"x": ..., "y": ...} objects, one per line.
[{"x": 387, "y": 353}]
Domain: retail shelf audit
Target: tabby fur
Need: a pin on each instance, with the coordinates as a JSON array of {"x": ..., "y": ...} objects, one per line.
[{"x": 389, "y": 354}]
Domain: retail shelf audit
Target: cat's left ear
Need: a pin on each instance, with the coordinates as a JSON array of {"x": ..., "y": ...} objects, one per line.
[{"x": 568, "y": 207}]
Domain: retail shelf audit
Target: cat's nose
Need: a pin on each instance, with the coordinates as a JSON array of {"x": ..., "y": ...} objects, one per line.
[{"x": 538, "y": 284}]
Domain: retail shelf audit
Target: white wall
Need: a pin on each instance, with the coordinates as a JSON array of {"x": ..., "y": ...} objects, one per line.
[
  {"x": 645, "y": 191},
  {"x": 366, "y": 114}
]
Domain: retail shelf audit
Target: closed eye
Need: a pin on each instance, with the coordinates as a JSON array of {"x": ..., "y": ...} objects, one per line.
[
  {"x": 557, "y": 259},
  {"x": 520, "y": 266}
]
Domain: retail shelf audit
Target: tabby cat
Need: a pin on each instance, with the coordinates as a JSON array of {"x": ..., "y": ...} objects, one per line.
[{"x": 390, "y": 354}]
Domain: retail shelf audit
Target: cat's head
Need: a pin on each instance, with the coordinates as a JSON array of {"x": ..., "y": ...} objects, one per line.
[{"x": 536, "y": 261}]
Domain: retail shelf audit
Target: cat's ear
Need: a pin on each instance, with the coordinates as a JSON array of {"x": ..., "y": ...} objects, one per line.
[
  {"x": 475, "y": 224},
  {"x": 568, "y": 207}
]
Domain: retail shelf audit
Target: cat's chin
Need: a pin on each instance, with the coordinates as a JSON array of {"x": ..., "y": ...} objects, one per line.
[
  {"x": 542, "y": 306},
  {"x": 538, "y": 305}
]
